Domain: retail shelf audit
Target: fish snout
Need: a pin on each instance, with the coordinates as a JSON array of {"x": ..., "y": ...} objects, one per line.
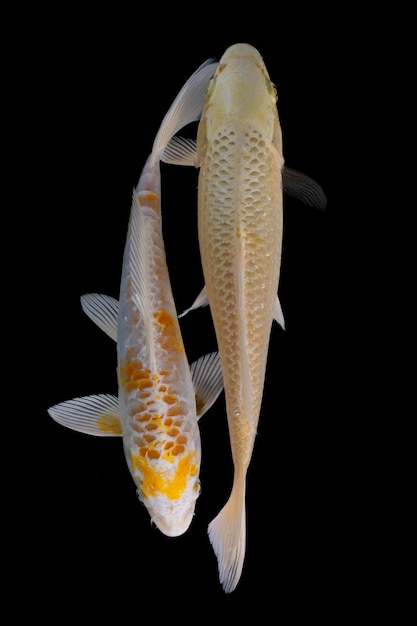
[{"x": 172, "y": 518}]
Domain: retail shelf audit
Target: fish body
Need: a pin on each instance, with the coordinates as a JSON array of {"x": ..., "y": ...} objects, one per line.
[
  {"x": 160, "y": 397},
  {"x": 240, "y": 225},
  {"x": 240, "y": 222}
]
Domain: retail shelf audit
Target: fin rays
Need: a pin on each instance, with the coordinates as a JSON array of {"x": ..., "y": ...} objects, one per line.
[{"x": 227, "y": 534}]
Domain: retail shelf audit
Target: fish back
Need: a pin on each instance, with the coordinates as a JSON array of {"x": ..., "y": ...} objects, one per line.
[{"x": 240, "y": 234}]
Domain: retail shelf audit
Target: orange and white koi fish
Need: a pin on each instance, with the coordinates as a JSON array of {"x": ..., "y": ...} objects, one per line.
[
  {"x": 160, "y": 396},
  {"x": 240, "y": 225}
]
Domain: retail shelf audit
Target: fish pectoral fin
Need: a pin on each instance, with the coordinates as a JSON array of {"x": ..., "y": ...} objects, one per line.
[
  {"x": 103, "y": 310},
  {"x": 201, "y": 300},
  {"x": 206, "y": 374},
  {"x": 94, "y": 415},
  {"x": 180, "y": 151},
  {"x": 303, "y": 188},
  {"x": 227, "y": 534},
  {"x": 278, "y": 314}
]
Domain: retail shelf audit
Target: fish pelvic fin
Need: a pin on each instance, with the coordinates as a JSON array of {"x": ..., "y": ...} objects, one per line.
[
  {"x": 94, "y": 415},
  {"x": 227, "y": 534},
  {"x": 200, "y": 301},
  {"x": 206, "y": 374},
  {"x": 180, "y": 151}
]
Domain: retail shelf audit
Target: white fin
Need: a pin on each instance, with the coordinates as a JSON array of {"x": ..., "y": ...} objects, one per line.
[
  {"x": 103, "y": 310},
  {"x": 94, "y": 415},
  {"x": 201, "y": 300},
  {"x": 206, "y": 374},
  {"x": 278, "y": 314},
  {"x": 187, "y": 106},
  {"x": 227, "y": 534},
  {"x": 180, "y": 151},
  {"x": 303, "y": 188}
]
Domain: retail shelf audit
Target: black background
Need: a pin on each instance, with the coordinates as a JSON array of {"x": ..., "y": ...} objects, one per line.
[{"x": 99, "y": 88}]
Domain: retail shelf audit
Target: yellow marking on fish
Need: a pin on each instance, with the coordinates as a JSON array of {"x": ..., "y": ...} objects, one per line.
[
  {"x": 160, "y": 482},
  {"x": 109, "y": 424}
]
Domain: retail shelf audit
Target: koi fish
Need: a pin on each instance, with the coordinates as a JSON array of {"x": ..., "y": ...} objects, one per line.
[
  {"x": 160, "y": 396},
  {"x": 240, "y": 224}
]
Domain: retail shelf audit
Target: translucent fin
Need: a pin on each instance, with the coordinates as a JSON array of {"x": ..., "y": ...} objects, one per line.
[
  {"x": 206, "y": 374},
  {"x": 227, "y": 534},
  {"x": 94, "y": 415},
  {"x": 180, "y": 151},
  {"x": 201, "y": 300},
  {"x": 186, "y": 107},
  {"x": 103, "y": 310},
  {"x": 303, "y": 188},
  {"x": 278, "y": 314}
]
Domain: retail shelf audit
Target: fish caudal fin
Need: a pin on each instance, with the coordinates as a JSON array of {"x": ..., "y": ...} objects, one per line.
[
  {"x": 227, "y": 534},
  {"x": 185, "y": 109}
]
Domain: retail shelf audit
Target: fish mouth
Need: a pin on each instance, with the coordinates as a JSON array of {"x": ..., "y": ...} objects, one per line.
[{"x": 173, "y": 524}]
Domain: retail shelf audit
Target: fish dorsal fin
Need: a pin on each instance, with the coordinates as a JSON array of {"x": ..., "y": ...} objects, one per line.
[
  {"x": 201, "y": 300},
  {"x": 94, "y": 415},
  {"x": 180, "y": 151},
  {"x": 206, "y": 374},
  {"x": 303, "y": 188},
  {"x": 187, "y": 106},
  {"x": 103, "y": 310}
]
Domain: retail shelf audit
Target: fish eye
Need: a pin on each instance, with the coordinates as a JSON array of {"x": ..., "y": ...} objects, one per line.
[
  {"x": 210, "y": 87},
  {"x": 273, "y": 91}
]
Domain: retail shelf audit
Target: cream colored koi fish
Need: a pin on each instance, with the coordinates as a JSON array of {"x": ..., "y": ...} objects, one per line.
[
  {"x": 160, "y": 396},
  {"x": 240, "y": 225}
]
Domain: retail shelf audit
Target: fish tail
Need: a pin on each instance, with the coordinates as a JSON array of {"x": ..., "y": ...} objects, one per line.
[{"x": 227, "y": 534}]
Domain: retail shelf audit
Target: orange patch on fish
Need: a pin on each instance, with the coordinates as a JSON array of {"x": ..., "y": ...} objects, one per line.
[
  {"x": 132, "y": 375},
  {"x": 149, "y": 199},
  {"x": 159, "y": 481},
  {"x": 169, "y": 328}
]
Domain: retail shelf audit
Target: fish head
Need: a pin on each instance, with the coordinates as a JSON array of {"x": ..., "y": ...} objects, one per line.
[
  {"x": 168, "y": 487},
  {"x": 241, "y": 90}
]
